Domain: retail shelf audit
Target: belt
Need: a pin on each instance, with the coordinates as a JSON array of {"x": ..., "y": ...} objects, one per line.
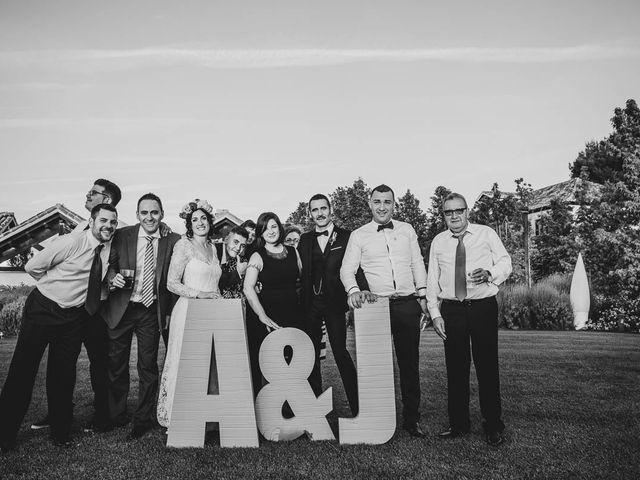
[
  {"x": 401, "y": 298},
  {"x": 466, "y": 302}
]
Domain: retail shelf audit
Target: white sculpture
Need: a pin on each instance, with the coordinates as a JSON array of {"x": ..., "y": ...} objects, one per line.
[{"x": 579, "y": 295}]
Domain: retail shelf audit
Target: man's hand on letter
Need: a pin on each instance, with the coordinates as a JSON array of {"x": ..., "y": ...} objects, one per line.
[{"x": 357, "y": 299}]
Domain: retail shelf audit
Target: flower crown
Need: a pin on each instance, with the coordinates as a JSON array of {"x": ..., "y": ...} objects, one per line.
[{"x": 196, "y": 204}]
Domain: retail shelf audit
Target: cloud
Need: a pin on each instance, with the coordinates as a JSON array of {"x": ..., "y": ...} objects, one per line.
[
  {"x": 275, "y": 58},
  {"x": 114, "y": 124}
]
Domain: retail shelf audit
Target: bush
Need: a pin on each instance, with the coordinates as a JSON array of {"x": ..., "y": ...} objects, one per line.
[
  {"x": 545, "y": 306},
  {"x": 11, "y": 305},
  {"x": 619, "y": 314},
  {"x": 513, "y": 307},
  {"x": 11, "y": 315}
]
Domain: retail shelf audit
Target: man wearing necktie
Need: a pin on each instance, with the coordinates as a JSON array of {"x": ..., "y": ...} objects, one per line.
[
  {"x": 323, "y": 295},
  {"x": 388, "y": 252},
  {"x": 69, "y": 274},
  {"x": 467, "y": 262},
  {"x": 142, "y": 309}
]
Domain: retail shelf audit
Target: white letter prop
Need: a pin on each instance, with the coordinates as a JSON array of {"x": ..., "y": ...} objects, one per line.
[
  {"x": 233, "y": 407},
  {"x": 289, "y": 382},
  {"x": 376, "y": 420}
]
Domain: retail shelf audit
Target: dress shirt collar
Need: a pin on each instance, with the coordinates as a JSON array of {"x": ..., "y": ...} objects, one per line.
[
  {"x": 471, "y": 228},
  {"x": 373, "y": 225},
  {"x": 143, "y": 234},
  {"x": 328, "y": 229}
]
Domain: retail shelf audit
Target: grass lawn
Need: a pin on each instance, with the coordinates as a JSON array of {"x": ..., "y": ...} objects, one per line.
[{"x": 571, "y": 403}]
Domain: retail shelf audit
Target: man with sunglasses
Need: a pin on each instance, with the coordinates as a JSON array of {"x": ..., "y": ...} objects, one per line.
[
  {"x": 467, "y": 262},
  {"x": 94, "y": 335}
]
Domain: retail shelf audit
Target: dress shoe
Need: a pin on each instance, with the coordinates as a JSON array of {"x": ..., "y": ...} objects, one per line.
[
  {"x": 40, "y": 424},
  {"x": 414, "y": 430},
  {"x": 494, "y": 439},
  {"x": 98, "y": 427},
  {"x": 452, "y": 433},
  {"x": 138, "y": 431}
]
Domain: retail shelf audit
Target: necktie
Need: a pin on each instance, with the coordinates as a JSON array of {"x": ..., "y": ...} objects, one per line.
[
  {"x": 92, "y": 302},
  {"x": 318, "y": 234},
  {"x": 386, "y": 225},
  {"x": 460, "y": 270},
  {"x": 149, "y": 273}
]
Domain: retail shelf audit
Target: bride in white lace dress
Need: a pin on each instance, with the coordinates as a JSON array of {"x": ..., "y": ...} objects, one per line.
[{"x": 194, "y": 272}]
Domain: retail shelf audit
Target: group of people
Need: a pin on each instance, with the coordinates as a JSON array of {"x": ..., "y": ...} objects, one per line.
[{"x": 99, "y": 285}]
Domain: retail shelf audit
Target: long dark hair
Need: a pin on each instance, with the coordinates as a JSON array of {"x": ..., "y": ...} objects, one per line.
[
  {"x": 261, "y": 226},
  {"x": 187, "y": 222}
]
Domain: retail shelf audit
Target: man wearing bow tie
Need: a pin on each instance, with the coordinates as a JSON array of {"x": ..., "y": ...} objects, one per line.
[
  {"x": 323, "y": 295},
  {"x": 388, "y": 252}
]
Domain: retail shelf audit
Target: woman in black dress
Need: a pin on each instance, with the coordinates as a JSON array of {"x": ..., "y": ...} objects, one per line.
[{"x": 275, "y": 267}]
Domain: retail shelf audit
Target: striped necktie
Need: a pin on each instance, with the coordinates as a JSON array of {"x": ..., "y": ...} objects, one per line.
[{"x": 149, "y": 273}]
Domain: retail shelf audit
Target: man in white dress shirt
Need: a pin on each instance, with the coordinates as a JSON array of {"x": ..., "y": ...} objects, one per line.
[
  {"x": 94, "y": 336},
  {"x": 69, "y": 274},
  {"x": 388, "y": 252},
  {"x": 467, "y": 262}
]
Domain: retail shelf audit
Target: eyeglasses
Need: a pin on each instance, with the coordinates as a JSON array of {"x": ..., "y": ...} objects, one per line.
[
  {"x": 457, "y": 211},
  {"x": 93, "y": 193}
]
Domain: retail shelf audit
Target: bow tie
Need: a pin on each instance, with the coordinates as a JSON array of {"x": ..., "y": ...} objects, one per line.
[
  {"x": 386, "y": 225},
  {"x": 317, "y": 234}
]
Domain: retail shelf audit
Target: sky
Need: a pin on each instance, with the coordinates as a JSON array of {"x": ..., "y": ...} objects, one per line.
[{"x": 255, "y": 105}]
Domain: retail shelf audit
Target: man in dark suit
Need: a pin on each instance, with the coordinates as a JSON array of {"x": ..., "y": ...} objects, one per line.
[
  {"x": 324, "y": 296},
  {"x": 142, "y": 308}
]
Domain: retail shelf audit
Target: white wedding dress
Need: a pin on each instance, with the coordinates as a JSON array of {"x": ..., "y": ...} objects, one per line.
[{"x": 189, "y": 273}]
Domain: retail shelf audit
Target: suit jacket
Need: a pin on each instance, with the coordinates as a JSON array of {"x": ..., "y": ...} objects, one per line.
[
  {"x": 123, "y": 255},
  {"x": 333, "y": 289}
]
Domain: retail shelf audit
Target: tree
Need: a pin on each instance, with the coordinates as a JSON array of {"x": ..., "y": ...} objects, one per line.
[
  {"x": 506, "y": 213},
  {"x": 408, "y": 210},
  {"x": 604, "y": 160},
  {"x": 301, "y": 218},
  {"x": 351, "y": 205},
  {"x": 556, "y": 245}
]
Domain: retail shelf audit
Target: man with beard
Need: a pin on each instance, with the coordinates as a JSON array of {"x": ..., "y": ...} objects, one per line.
[
  {"x": 94, "y": 336},
  {"x": 69, "y": 275}
]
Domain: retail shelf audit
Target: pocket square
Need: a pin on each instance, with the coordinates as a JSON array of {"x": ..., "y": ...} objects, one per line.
[{"x": 336, "y": 248}]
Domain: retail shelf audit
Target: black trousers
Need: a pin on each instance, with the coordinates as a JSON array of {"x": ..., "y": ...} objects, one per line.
[
  {"x": 44, "y": 323},
  {"x": 94, "y": 338},
  {"x": 143, "y": 321},
  {"x": 475, "y": 322},
  {"x": 256, "y": 333},
  {"x": 337, "y": 333},
  {"x": 405, "y": 329}
]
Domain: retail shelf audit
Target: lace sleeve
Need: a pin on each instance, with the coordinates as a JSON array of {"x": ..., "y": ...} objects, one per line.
[{"x": 182, "y": 253}]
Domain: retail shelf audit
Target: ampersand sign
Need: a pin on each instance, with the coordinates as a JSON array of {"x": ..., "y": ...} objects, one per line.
[{"x": 288, "y": 382}]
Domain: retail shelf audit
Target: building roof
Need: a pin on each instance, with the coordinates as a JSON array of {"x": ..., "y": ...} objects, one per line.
[
  {"x": 541, "y": 198},
  {"x": 220, "y": 216},
  {"x": 7, "y": 221},
  {"x": 55, "y": 220}
]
